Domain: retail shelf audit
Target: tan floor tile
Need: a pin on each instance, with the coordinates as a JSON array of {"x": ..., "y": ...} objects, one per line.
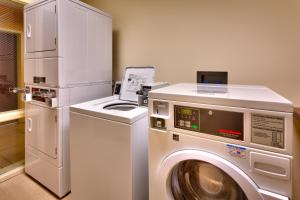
[
  {"x": 68, "y": 197},
  {"x": 22, "y": 187},
  {"x": 3, "y": 195}
]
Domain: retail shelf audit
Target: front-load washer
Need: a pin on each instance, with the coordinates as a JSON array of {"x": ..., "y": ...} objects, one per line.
[
  {"x": 109, "y": 144},
  {"x": 219, "y": 142}
]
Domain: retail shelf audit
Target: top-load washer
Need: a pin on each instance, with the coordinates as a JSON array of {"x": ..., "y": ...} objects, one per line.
[
  {"x": 109, "y": 144},
  {"x": 219, "y": 142}
]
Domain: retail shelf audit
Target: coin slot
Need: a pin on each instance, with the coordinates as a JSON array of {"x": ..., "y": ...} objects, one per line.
[{"x": 158, "y": 123}]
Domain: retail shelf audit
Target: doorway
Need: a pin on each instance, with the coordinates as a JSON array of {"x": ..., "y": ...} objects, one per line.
[
  {"x": 11, "y": 76},
  {"x": 11, "y": 115}
]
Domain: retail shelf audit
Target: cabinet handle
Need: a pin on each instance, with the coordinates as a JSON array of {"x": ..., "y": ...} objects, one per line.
[
  {"x": 28, "y": 34},
  {"x": 29, "y": 127}
]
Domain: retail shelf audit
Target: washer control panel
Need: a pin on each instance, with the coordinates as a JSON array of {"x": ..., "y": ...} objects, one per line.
[
  {"x": 187, "y": 118},
  {"x": 214, "y": 122}
]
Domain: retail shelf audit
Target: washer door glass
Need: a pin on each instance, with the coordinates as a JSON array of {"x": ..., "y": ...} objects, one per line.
[{"x": 197, "y": 180}]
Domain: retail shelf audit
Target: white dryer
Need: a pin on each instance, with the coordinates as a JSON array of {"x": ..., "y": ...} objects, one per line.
[
  {"x": 216, "y": 142},
  {"x": 109, "y": 144}
]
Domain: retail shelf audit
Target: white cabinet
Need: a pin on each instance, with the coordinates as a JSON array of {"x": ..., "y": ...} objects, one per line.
[
  {"x": 41, "y": 27},
  {"x": 68, "y": 49},
  {"x": 42, "y": 129},
  {"x": 77, "y": 37}
]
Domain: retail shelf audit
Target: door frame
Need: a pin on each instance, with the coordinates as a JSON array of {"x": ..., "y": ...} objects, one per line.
[{"x": 16, "y": 27}]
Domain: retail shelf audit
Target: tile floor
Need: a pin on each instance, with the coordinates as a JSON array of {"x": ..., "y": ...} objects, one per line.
[
  {"x": 11, "y": 143},
  {"x": 22, "y": 187}
]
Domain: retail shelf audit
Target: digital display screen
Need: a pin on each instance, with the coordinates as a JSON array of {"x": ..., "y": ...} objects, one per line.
[{"x": 186, "y": 111}]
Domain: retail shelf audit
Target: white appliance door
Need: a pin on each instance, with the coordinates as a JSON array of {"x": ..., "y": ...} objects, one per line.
[
  {"x": 192, "y": 174},
  {"x": 42, "y": 129},
  {"x": 40, "y": 28}
]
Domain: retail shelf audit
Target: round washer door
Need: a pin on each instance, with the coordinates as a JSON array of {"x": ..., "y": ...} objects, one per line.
[{"x": 197, "y": 175}]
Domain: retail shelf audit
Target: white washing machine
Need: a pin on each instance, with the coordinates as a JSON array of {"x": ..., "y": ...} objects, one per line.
[
  {"x": 216, "y": 142},
  {"x": 109, "y": 144}
]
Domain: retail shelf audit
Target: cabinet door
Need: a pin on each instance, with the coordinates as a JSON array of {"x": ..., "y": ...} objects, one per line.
[
  {"x": 42, "y": 129},
  {"x": 41, "y": 28}
]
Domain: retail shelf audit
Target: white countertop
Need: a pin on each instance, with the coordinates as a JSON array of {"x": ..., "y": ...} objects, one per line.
[{"x": 246, "y": 96}]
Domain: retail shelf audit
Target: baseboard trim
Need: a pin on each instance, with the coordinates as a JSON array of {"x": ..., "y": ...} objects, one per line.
[{"x": 14, "y": 172}]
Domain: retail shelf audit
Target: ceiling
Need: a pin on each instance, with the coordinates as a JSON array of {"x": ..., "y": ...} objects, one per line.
[{"x": 19, "y": 4}]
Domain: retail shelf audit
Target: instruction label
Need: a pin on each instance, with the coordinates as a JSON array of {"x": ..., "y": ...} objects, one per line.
[{"x": 267, "y": 130}]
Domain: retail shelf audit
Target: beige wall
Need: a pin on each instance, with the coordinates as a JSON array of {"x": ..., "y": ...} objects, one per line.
[{"x": 257, "y": 42}]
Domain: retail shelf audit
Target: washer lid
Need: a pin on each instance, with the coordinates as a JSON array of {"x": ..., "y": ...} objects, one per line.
[
  {"x": 133, "y": 78},
  {"x": 111, "y": 108}
]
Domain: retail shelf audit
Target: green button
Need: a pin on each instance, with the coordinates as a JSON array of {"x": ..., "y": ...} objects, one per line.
[{"x": 194, "y": 126}]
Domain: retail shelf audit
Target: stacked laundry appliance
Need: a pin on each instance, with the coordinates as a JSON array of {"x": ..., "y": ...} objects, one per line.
[{"x": 68, "y": 60}]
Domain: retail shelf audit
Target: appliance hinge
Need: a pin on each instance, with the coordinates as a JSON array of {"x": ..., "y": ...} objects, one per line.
[
  {"x": 55, "y": 118},
  {"x": 55, "y": 9},
  {"x": 55, "y": 41}
]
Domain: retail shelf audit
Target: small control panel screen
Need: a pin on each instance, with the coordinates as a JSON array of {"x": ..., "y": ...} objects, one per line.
[
  {"x": 214, "y": 122},
  {"x": 187, "y": 118}
]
